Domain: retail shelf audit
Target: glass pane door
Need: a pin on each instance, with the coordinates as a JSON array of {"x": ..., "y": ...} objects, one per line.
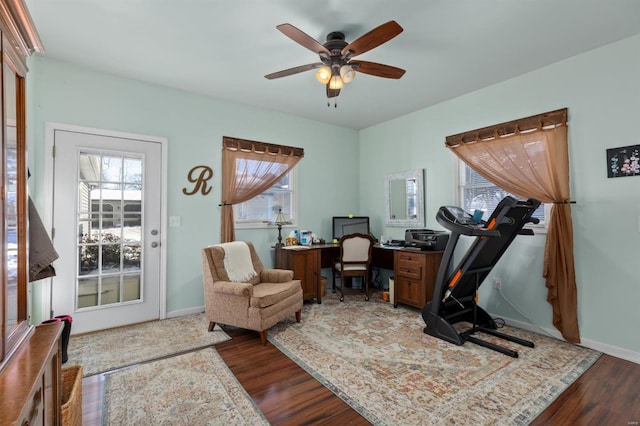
[
  {"x": 109, "y": 219},
  {"x": 108, "y": 228}
]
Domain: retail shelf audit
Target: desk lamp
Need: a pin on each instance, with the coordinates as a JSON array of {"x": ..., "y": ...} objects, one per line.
[{"x": 280, "y": 220}]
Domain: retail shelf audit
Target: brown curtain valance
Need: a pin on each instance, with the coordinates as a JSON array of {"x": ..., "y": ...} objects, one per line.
[
  {"x": 249, "y": 145},
  {"x": 248, "y": 169},
  {"x": 547, "y": 119}
]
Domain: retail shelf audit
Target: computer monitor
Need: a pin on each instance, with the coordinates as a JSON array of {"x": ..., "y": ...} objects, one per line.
[{"x": 345, "y": 225}]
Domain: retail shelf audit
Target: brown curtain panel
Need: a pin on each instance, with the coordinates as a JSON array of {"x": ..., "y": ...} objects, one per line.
[
  {"x": 248, "y": 169},
  {"x": 534, "y": 163}
]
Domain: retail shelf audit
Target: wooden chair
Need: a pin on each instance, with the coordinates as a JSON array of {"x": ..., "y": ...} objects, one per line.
[
  {"x": 354, "y": 261},
  {"x": 258, "y": 302}
]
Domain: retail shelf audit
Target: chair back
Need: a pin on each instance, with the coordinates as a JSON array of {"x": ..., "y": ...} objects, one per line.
[
  {"x": 356, "y": 248},
  {"x": 214, "y": 257}
]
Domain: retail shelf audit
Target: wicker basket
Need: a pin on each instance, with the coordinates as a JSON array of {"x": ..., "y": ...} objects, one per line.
[{"x": 72, "y": 395}]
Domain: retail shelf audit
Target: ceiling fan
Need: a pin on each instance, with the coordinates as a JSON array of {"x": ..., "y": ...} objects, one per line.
[{"x": 336, "y": 65}]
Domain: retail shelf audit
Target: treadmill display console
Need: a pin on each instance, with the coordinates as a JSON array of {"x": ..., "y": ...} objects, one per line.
[{"x": 457, "y": 215}]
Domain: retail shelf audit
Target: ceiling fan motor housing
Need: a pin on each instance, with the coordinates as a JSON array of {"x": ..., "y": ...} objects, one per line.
[{"x": 335, "y": 43}]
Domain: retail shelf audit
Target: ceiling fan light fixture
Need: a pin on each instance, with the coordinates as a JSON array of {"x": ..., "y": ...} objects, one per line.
[
  {"x": 323, "y": 75},
  {"x": 347, "y": 73},
  {"x": 335, "y": 83}
]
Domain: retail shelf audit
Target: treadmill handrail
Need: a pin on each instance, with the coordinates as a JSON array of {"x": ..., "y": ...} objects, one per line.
[{"x": 449, "y": 221}]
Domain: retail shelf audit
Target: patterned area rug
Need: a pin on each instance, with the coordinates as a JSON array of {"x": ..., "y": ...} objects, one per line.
[
  {"x": 378, "y": 360},
  {"x": 120, "y": 347},
  {"x": 196, "y": 388}
]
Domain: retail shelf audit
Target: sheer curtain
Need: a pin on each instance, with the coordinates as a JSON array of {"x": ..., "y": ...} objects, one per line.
[
  {"x": 529, "y": 158},
  {"x": 248, "y": 169}
]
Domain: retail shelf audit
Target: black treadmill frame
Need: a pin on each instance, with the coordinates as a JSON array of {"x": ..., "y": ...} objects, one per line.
[{"x": 455, "y": 294}]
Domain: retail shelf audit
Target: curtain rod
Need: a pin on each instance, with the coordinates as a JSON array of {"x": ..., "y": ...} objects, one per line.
[
  {"x": 551, "y": 118},
  {"x": 233, "y": 143}
]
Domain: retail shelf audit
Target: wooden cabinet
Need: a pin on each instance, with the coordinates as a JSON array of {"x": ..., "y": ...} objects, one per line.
[
  {"x": 30, "y": 357},
  {"x": 305, "y": 264},
  {"x": 414, "y": 276},
  {"x": 17, "y": 40},
  {"x": 30, "y": 385}
]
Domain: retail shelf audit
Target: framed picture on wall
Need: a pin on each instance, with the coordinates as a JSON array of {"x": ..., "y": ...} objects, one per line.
[{"x": 623, "y": 162}]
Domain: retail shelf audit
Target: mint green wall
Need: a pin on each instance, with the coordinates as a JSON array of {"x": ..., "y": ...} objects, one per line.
[
  {"x": 194, "y": 126},
  {"x": 601, "y": 89}
]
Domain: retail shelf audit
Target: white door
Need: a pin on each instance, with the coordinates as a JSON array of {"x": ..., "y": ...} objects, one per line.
[{"x": 107, "y": 229}]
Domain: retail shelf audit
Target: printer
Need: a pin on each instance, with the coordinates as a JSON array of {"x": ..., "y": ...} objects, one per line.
[{"x": 425, "y": 239}]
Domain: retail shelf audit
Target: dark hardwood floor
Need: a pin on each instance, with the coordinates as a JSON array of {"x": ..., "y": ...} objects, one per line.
[{"x": 606, "y": 394}]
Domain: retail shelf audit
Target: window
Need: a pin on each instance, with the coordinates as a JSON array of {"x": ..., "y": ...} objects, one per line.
[
  {"x": 251, "y": 169},
  {"x": 262, "y": 209},
  {"x": 477, "y": 193}
]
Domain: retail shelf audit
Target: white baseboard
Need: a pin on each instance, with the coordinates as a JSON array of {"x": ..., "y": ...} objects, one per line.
[
  {"x": 183, "y": 312},
  {"x": 616, "y": 351}
]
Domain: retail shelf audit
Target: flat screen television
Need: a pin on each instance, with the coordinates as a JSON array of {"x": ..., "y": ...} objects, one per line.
[{"x": 345, "y": 225}]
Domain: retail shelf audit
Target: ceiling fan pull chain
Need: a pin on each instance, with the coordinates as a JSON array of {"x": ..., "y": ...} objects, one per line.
[{"x": 335, "y": 103}]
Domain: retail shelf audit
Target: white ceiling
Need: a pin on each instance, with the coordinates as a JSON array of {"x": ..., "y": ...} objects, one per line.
[{"x": 223, "y": 49}]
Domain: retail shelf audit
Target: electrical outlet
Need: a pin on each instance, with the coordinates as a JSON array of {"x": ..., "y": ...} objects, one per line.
[{"x": 497, "y": 282}]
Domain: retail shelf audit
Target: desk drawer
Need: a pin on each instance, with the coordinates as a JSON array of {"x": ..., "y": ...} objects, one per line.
[
  {"x": 409, "y": 256},
  {"x": 409, "y": 270},
  {"x": 412, "y": 269}
]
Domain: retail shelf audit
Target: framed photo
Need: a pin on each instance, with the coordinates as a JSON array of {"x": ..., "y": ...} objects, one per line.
[{"x": 623, "y": 162}]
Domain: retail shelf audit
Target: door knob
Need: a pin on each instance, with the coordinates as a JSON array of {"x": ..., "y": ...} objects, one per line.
[
  {"x": 154, "y": 244},
  {"x": 154, "y": 232}
]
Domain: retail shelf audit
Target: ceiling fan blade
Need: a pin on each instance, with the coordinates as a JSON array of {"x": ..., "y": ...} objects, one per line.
[
  {"x": 332, "y": 93},
  {"x": 294, "y": 70},
  {"x": 376, "y": 69},
  {"x": 373, "y": 38},
  {"x": 302, "y": 38}
]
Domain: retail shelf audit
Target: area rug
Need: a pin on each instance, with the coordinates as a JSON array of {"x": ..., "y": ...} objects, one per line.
[
  {"x": 378, "y": 360},
  {"x": 196, "y": 388},
  {"x": 123, "y": 346}
]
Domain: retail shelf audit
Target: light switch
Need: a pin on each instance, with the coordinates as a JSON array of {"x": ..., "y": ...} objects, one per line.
[{"x": 174, "y": 221}]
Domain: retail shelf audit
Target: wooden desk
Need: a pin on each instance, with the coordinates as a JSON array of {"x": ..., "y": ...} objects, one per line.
[{"x": 416, "y": 289}]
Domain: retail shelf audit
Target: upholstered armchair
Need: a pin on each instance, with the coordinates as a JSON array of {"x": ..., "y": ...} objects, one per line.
[{"x": 239, "y": 291}]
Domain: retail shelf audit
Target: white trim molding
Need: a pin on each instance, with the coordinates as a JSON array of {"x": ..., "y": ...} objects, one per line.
[{"x": 615, "y": 351}]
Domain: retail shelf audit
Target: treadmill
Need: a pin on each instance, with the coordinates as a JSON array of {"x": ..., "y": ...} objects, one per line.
[{"x": 455, "y": 294}]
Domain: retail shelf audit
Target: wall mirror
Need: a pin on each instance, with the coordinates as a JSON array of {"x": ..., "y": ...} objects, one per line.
[{"x": 404, "y": 199}]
